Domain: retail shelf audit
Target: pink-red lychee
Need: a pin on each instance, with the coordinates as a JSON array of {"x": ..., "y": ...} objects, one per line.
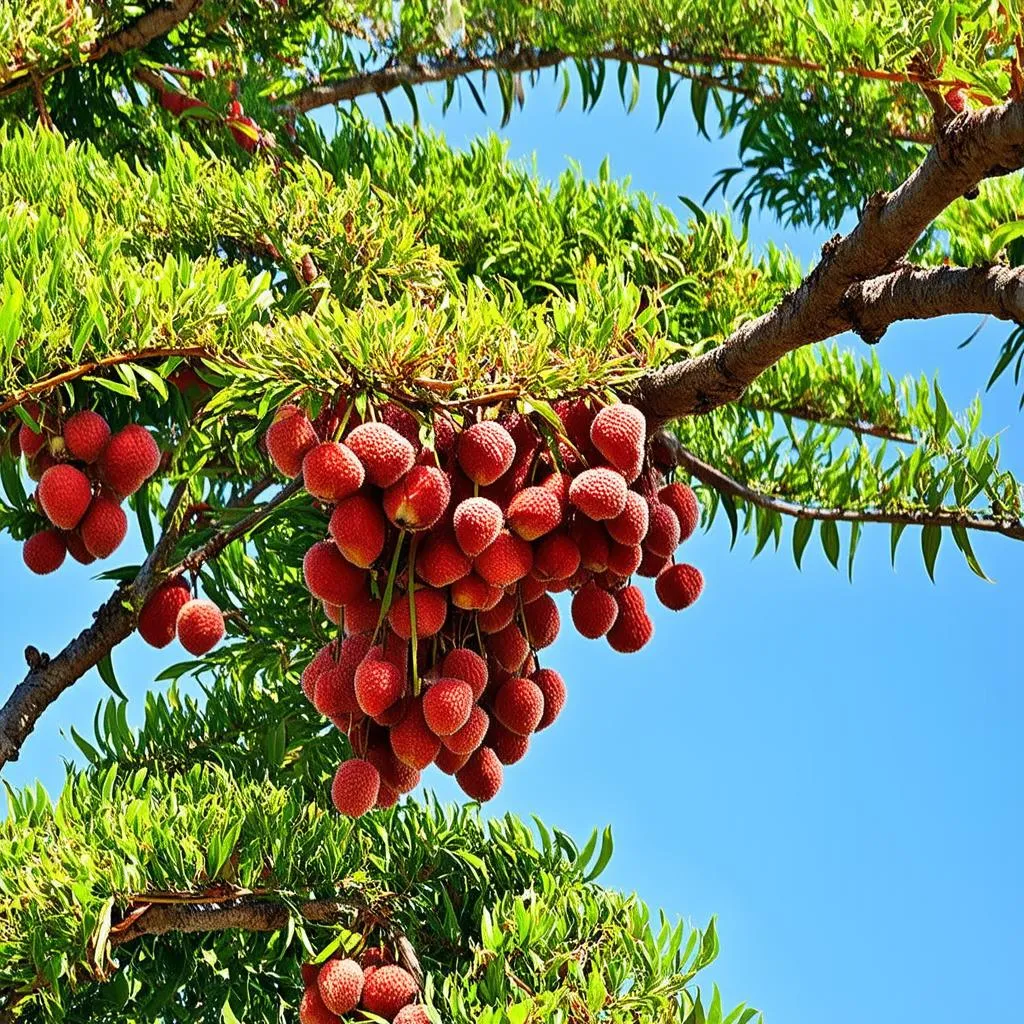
[
  {"x": 355, "y": 787},
  {"x": 633, "y": 627},
  {"x": 467, "y": 738},
  {"x": 331, "y": 471},
  {"x": 498, "y": 617},
  {"x": 312, "y": 1009},
  {"x": 44, "y": 552},
  {"x": 329, "y": 576},
  {"x": 288, "y": 439},
  {"x": 664, "y": 534},
  {"x": 104, "y": 527},
  {"x": 619, "y": 432},
  {"x": 419, "y": 499},
  {"x": 447, "y": 705},
  {"x": 556, "y": 557},
  {"x": 411, "y": 739},
  {"x": 508, "y": 747},
  {"x": 340, "y": 982},
  {"x": 86, "y": 434},
  {"x": 485, "y": 452},
  {"x": 159, "y": 616},
  {"x": 358, "y": 528},
  {"x": 594, "y": 611},
  {"x": 477, "y": 523},
  {"x": 462, "y": 663},
  {"x": 552, "y": 686},
  {"x": 387, "y": 990},
  {"x": 519, "y": 705},
  {"x": 480, "y": 778},
  {"x": 541, "y": 620},
  {"x": 200, "y": 626},
  {"x": 378, "y": 684},
  {"x": 631, "y": 524},
  {"x": 509, "y": 647},
  {"x": 683, "y": 502},
  {"x": 64, "y": 494},
  {"x": 534, "y": 512},
  {"x": 431, "y": 610},
  {"x": 507, "y": 560},
  {"x": 385, "y": 454},
  {"x": 440, "y": 561},
  {"x": 474, "y": 594},
  {"x": 679, "y": 585},
  {"x": 130, "y": 458},
  {"x": 598, "y": 493},
  {"x": 624, "y": 559}
]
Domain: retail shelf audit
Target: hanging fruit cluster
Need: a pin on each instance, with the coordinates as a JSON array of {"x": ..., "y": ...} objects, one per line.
[{"x": 445, "y": 543}]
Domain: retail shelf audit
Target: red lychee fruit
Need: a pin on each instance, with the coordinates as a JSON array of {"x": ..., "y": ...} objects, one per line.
[
  {"x": 329, "y": 576},
  {"x": 624, "y": 559},
  {"x": 357, "y": 527},
  {"x": 664, "y": 533},
  {"x": 385, "y": 454},
  {"x": 576, "y": 417},
  {"x": 375, "y": 956},
  {"x": 334, "y": 691},
  {"x": 447, "y": 705},
  {"x": 474, "y": 594},
  {"x": 519, "y": 706},
  {"x": 331, "y": 471},
  {"x": 508, "y": 747},
  {"x": 355, "y": 787},
  {"x": 683, "y": 502},
  {"x": 467, "y": 738},
  {"x": 631, "y": 524},
  {"x": 619, "y": 432},
  {"x": 312, "y": 1009},
  {"x": 477, "y": 523},
  {"x": 387, "y": 990},
  {"x": 598, "y": 493},
  {"x": 412, "y": 1014},
  {"x": 431, "y": 609},
  {"x": 86, "y": 435},
  {"x": 552, "y": 686},
  {"x": 633, "y": 627},
  {"x": 309, "y": 973},
  {"x": 558, "y": 484},
  {"x": 130, "y": 458},
  {"x": 77, "y": 549},
  {"x": 462, "y": 663},
  {"x": 30, "y": 442},
  {"x": 481, "y": 777},
  {"x": 534, "y": 512},
  {"x": 679, "y": 585},
  {"x": 556, "y": 557},
  {"x": 651, "y": 564},
  {"x": 507, "y": 560},
  {"x": 498, "y": 617},
  {"x": 419, "y": 499},
  {"x": 541, "y": 620},
  {"x": 200, "y": 626},
  {"x": 362, "y": 614},
  {"x": 594, "y": 611},
  {"x": 340, "y": 982},
  {"x": 509, "y": 647},
  {"x": 332, "y": 611},
  {"x": 398, "y": 776},
  {"x": 485, "y": 452},
  {"x": 448, "y": 761},
  {"x": 440, "y": 561},
  {"x": 104, "y": 527},
  {"x": 64, "y": 494},
  {"x": 159, "y": 616},
  {"x": 288, "y": 439},
  {"x": 444, "y": 434},
  {"x": 592, "y": 541},
  {"x": 44, "y": 552},
  {"x": 387, "y": 797},
  {"x": 530, "y": 588},
  {"x": 378, "y": 684},
  {"x": 411, "y": 739},
  {"x": 401, "y": 421}
]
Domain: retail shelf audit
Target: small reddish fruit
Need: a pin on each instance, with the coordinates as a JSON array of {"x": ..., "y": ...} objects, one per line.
[
  {"x": 159, "y": 616},
  {"x": 331, "y": 471},
  {"x": 385, "y": 454},
  {"x": 288, "y": 439},
  {"x": 552, "y": 686},
  {"x": 448, "y": 761},
  {"x": 541, "y": 620},
  {"x": 104, "y": 527},
  {"x": 481, "y": 777},
  {"x": 471, "y": 734},
  {"x": 431, "y": 609},
  {"x": 598, "y": 493},
  {"x": 412, "y": 1014},
  {"x": 64, "y": 494},
  {"x": 440, "y": 561},
  {"x": 355, "y": 787},
  {"x": 86, "y": 435},
  {"x": 664, "y": 533},
  {"x": 498, "y": 617},
  {"x": 519, "y": 706},
  {"x": 530, "y": 588},
  {"x": 340, "y": 982},
  {"x": 556, "y": 557},
  {"x": 633, "y": 627},
  {"x": 329, "y": 576},
  {"x": 594, "y": 611},
  {"x": 387, "y": 990},
  {"x": 387, "y": 797},
  {"x": 485, "y": 452},
  {"x": 200, "y": 626},
  {"x": 618, "y": 433},
  {"x": 378, "y": 684},
  {"x": 44, "y": 552},
  {"x": 474, "y": 594},
  {"x": 534, "y": 512},
  {"x": 509, "y": 747},
  {"x": 651, "y": 564},
  {"x": 130, "y": 458},
  {"x": 477, "y": 523},
  {"x": 509, "y": 647},
  {"x": 462, "y": 663},
  {"x": 447, "y": 705},
  {"x": 631, "y": 524},
  {"x": 411, "y": 739},
  {"x": 358, "y": 528},
  {"x": 507, "y": 560},
  {"x": 624, "y": 559},
  {"x": 394, "y": 773},
  {"x": 683, "y": 502},
  {"x": 77, "y": 549},
  {"x": 361, "y": 614},
  {"x": 419, "y": 499},
  {"x": 313, "y": 1011},
  {"x": 679, "y": 585},
  {"x": 558, "y": 484}
]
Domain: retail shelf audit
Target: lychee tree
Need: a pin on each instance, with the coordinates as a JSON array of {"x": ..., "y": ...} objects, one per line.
[{"x": 201, "y": 288}]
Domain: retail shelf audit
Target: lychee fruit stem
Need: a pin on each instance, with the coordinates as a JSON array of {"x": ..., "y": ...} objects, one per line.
[
  {"x": 389, "y": 589},
  {"x": 412, "y": 615}
]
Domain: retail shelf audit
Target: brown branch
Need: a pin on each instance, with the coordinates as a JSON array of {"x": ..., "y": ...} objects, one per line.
[
  {"x": 840, "y": 295},
  {"x": 724, "y": 484}
]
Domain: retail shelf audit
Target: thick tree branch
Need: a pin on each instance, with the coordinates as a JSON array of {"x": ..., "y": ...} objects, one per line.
[
  {"x": 724, "y": 484},
  {"x": 972, "y": 147}
]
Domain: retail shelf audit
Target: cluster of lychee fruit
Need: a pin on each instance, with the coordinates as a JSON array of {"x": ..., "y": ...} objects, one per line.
[
  {"x": 374, "y": 983},
  {"x": 444, "y": 544},
  {"x": 84, "y": 473},
  {"x": 172, "y": 611}
]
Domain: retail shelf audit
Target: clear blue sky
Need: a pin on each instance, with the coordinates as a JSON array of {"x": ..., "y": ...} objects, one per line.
[{"x": 833, "y": 769}]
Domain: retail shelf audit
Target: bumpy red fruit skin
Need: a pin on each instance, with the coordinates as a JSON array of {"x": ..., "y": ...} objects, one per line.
[
  {"x": 448, "y": 761},
  {"x": 309, "y": 973},
  {"x": 552, "y": 686},
  {"x": 631, "y": 524},
  {"x": 633, "y": 627},
  {"x": 534, "y": 512},
  {"x": 679, "y": 585},
  {"x": 474, "y": 594},
  {"x": 683, "y": 502},
  {"x": 288, "y": 439},
  {"x": 498, "y": 617},
  {"x": 530, "y": 588},
  {"x": 411, "y": 739},
  {"x": 387, "y": 990},
  {"x": 431, "y": 612},
  {"x": 357, "y": 527},
  {"x": 130, "y": 458},
  {"x": 329, "y": 576},
  {"x": 103, "y": 528},
  {"x": 86, "y": 435},
  {"x": 556, "y": 557},
  {"x": 412, "y": 1015},
  {"x": 200, "y": 626},
  {"x": 624, "y": 559},
  {"x": 651, "y": 564},
  {"x": 664, "y": 533},
  {"x": 334, "y": 690},
  {"x": 440, "y": 561},
  {"x": 618, "y": 433},
  {"x": 355, "y": 787},
  {"x": 331, "y": 471},
  {"x": 576, "y": 417},
  {"x": 64, "y": 494},
  {"x": 519, "y": 706},
  {"x": 462, "y": 663},
  {"x": 477, "y": 523},
  {"x": 465, "y": 740},
  {"x": 558, "y": 484},
  {"x": 508, "y": 747},
  {"x": 361, "y": 614},
  {"x": 506, "y": 561},
  {"x": 378, "y": 684},
  {"x": 598, "y": 493},
  {"x": 394, "y": 773},
  {"x": 44, "y": 552},
  {"x": 481, "y": 777},
  {"x": 29, "y": 441},
  {"x": 485, "y": 452},
  {"x": 313, "y": 1011},
  {"x": 509, "y": 647},
  {"x": 77, "y": 549},
  {"x": 385, "y": 454},
  {"x": 594, "y": 611},
  {"x": 387, "y": 797},
  {"x": 447, "y": 705},
  {"x": 340, "y": 982},
  {"x": 542, "y": 623},
  {"x": 159, "y": 616},
  {"x": 419, "y": 499},
  {"x": 402, "y": 422}
]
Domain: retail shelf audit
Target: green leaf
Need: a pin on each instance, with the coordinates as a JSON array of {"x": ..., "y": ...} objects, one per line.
[
  {"x": 962, "y": 540},
  {"x": 931, "y": 538},
  {"x": 105, "y": 667},
  {"x": 603, "y": 857},
  {"x": 801, "y": 535},
  {"x": 830, "y": 541},
  {"x": 895, "y": 532}
]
